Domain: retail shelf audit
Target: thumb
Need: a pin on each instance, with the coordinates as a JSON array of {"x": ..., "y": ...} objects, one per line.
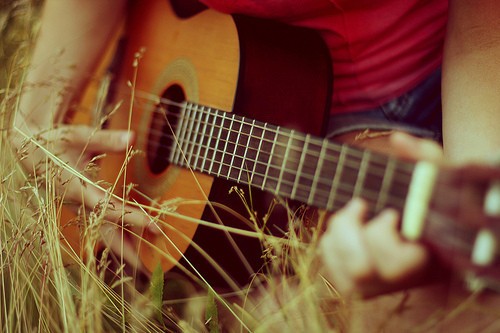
[
  {"x": 101, "y": 140},
  {"x": 414, "y": 148}
]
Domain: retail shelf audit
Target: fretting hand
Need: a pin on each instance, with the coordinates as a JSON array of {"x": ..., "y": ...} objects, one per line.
[{"x": 371, "y": 257}]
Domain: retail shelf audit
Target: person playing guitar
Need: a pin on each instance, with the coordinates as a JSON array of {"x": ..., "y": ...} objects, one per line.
[{"x": 385, "y": 63}]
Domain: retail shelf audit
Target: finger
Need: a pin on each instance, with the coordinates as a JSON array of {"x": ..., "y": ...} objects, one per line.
[
  {"x": 111, "y": 140},
  {"x": 119, "y": 244},
  {"x": 343, "y": 248},
  {"x": 408, "y": 146},
  {"x": 394, "y": 258},
  {"x": 116, "y": 210},
  {"x": 100, "y": 140}
]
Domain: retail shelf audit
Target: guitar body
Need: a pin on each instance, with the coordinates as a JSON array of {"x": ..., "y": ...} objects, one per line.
[{"x": 263, "y": 70}]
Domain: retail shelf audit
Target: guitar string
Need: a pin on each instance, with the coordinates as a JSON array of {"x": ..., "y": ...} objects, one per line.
[
  {"x": 232, "y": 167},
  {"x": 375, "y": 169},
  {"x": 242, "y": 122},
  {"x": 336, "y": 147},
  {"x": 343, "y": 192},
  {"x": 304, "y": 178},
  {"x": 298, "y": 149},
  {"x": 286, "y": 136},
  {"x": 353, "y": 153},
  {"x": 377, "y": 165}
]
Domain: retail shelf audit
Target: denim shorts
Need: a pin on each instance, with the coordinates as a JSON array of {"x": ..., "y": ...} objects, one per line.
[{"x": 417, "y": 112}]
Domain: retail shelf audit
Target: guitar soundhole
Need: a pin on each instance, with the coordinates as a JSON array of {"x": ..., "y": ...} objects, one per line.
[{"x": 163, "y": 124}]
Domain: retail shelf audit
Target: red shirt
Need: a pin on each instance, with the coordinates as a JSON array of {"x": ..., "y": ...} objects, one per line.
[{"x": 379, "y": 48}]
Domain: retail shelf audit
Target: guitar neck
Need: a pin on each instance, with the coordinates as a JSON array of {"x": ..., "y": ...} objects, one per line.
[{"x": 285, "y": 162}]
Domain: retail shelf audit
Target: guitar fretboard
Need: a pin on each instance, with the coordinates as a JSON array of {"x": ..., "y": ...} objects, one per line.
[{"x": 288, "y": 163}]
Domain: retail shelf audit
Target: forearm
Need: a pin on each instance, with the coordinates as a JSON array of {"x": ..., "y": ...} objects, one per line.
[
  {"x": 72, "y": 37},
  {"x": 471, "y": 81}
]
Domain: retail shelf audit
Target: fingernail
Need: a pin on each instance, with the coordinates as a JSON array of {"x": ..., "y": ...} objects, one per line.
[
  {"x": 389, "y": 214},
  {"x": 388, "y": 217},
  {"x": 126, "y": 138},
  {"x": 355, "y": 204}
]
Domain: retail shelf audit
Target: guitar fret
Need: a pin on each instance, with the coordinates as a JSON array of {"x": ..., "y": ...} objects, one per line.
[
  {"x": 317, "y": 174},
  {"x": 245, "y": 153},
  {"x": 225, "y": 167},
  {"x": 188, "y": 138},
  {"x": 303, "y": 179},
  {"x": 231, "y": 146},
  {"x": 200, "y": 133},
  {"x": 360, "y": 179},
  {"x": 238, "y": 135},
  {"x": 208, "y": 138},
  {"x": 185, "y": 139},
  {"x": 180, "y": 133},
  {"x": 276, "y": 171},
  {"x": 399, "y": 186},
  {"x": 386, "y": 184},
  {"x": 283, "y": 164},
  {"x": 373, "y": 181},
  {"x": 266, "y": 173},
  {"x": 336, "y": 180},
  {"x": 299, "y": 169},
  {"x": 225, "y": 146},
  {"x": 175, "y": 150},
  {"x": 191, "y": 138},
  {"x": 217, "y": 142},
  {"x": 259, "y": 149},
  {"x": 326, "y": 172}
]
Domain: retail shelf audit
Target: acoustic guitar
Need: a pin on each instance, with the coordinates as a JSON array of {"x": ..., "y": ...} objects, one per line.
[{"x": 218, "y": 100}]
